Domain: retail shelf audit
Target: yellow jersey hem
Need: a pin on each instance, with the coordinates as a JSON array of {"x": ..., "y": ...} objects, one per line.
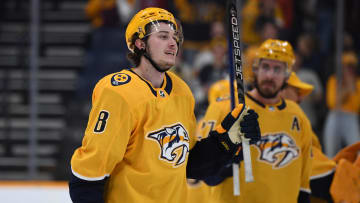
[
  {"x": 307, "y": 190},
  {"x": 322, "y": 175}
]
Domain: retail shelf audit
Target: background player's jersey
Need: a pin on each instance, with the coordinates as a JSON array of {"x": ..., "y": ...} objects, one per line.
[
  {"x": 281, "y": 159},
  {"x": 139, "y": 136}
]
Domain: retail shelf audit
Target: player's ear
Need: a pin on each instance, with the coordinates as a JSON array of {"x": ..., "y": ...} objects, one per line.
[{"x": 140, "y": 44}]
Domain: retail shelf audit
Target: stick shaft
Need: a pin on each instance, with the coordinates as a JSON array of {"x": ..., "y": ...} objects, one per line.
[{"x": 235, "y": 71}]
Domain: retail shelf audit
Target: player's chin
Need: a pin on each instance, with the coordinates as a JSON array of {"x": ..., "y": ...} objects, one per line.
[
  {"x": 269, "y": 93},
  {"x": 166, "y": 67},
  {"x": 268, "y": 90},
  {"x": 170, "y": 61}
]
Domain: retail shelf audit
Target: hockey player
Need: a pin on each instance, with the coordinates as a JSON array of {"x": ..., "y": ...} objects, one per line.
[
  {"x": 282, "y": 158},
  {"x": 330, "y": 180},
  {"x": 139, "y": 144},
  {"x": 323, "y": 168}
]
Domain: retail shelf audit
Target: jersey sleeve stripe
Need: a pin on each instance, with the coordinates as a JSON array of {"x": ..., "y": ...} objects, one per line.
[
  {"x": 323, "y": 174},
  {"x": 87, "y": 178},
  {"x": 305, "y": 190}
]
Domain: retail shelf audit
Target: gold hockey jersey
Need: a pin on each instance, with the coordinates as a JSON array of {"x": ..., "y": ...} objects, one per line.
[
  {"x": 198, "y": 192},
  {"x": 322, "y": 165},
  {"x": 138, "y": 136},
  {"x": 281, "y": 160}
]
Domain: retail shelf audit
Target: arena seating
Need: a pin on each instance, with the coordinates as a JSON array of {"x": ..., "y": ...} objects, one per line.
[{"x": 63, "y": 34}]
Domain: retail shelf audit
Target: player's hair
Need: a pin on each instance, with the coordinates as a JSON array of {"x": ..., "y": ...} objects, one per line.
[{"x": 135, "y": 57}]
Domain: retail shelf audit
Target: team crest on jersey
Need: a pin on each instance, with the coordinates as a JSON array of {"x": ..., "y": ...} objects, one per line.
[
  {"x": 174, "y": 143},
  {"x": 120, "y": 79},
  {"x": 278, "y": 149}
]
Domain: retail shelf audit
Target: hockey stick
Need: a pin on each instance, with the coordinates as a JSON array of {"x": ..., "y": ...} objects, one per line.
[{"x": 235, "y": 70}]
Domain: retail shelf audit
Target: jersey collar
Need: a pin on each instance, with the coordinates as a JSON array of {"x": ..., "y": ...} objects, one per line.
[
  {"x": 280, "y": 106},
  {"x": 167, "y": 81}
]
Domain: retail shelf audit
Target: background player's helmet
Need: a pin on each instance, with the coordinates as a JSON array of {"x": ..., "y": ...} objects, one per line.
[
  {"x": 276, "y": 50},
  {"x": 220, "y": 89},
  {"x": 304, "y": 88},
  {"x": 144, "y": 17},
  {"x": 349, "y": 58}
]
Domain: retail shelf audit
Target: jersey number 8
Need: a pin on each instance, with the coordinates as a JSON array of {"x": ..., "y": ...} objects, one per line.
[{"x": 101, "y": 122}]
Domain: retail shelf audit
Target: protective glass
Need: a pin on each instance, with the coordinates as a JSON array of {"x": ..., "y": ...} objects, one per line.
[
  {"x": 156, "y": 29},
  {"x": 277, "y": 70}
]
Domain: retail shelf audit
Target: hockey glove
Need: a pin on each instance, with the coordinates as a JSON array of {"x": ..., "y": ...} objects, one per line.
[
  {"x": 349, "y": 153},
  {"x": 240, "y": 121}
]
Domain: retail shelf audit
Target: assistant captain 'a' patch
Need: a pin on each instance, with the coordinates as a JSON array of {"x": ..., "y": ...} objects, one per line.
[
  {"x": 120, "y": 79},
  {"x": 295, "y": 124}
]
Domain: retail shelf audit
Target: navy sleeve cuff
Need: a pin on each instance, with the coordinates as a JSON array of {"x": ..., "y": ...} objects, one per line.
[
  {"x": 83, "y": 191},
  {"x": 304, "y": 197}
]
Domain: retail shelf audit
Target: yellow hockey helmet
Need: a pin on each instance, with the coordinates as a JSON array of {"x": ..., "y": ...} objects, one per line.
[
  {"x": 304, "y": 88},
  {"x": 349, "y": 58},
  {"x": 144, "y": 17},
  {"x": 276, "y": 50},
  {"x": 219, "y": 89}
]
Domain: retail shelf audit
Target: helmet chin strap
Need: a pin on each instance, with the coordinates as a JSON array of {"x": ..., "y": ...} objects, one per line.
[{"x": 156, "y": 66}]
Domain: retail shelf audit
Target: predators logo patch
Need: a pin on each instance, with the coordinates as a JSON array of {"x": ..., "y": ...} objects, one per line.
[
  {"x": 120, "y": 79},
  {"x": 174, "y": 143},
  {"x": 278, "y": 149}
]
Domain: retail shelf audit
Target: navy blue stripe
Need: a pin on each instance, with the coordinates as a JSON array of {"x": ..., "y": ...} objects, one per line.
[
  {"x": 282, "y": 105},
  {"x": 168, "y": 87},
  {"x": 256, "y": 101}
]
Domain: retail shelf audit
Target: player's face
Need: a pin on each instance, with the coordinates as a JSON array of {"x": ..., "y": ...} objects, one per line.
[
  {"x": 162, "y": 45},
  {"x": 270, "y": 78}
]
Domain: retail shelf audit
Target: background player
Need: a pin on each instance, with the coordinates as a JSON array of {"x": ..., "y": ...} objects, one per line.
[
  {"x": 324, "y": 187},
  {"x": 343, "y": 101},
  {"x": 141, "y": 125},
  {"x": 323, "y": 168},
  {"x": 281, "y": 159},
  {"x": 322, "y": 182}
]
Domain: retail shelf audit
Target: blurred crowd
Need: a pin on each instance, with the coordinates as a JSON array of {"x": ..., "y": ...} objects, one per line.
[{"x": 309, "y": 25}]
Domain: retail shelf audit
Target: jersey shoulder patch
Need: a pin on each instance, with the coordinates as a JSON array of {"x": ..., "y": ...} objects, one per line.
[{"x": 120, "y": 79}]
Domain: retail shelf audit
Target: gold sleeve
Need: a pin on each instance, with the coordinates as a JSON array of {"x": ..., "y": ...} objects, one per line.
[
  {"x": 307, "y": 155},
  {"x": 106, "y": 137}
]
